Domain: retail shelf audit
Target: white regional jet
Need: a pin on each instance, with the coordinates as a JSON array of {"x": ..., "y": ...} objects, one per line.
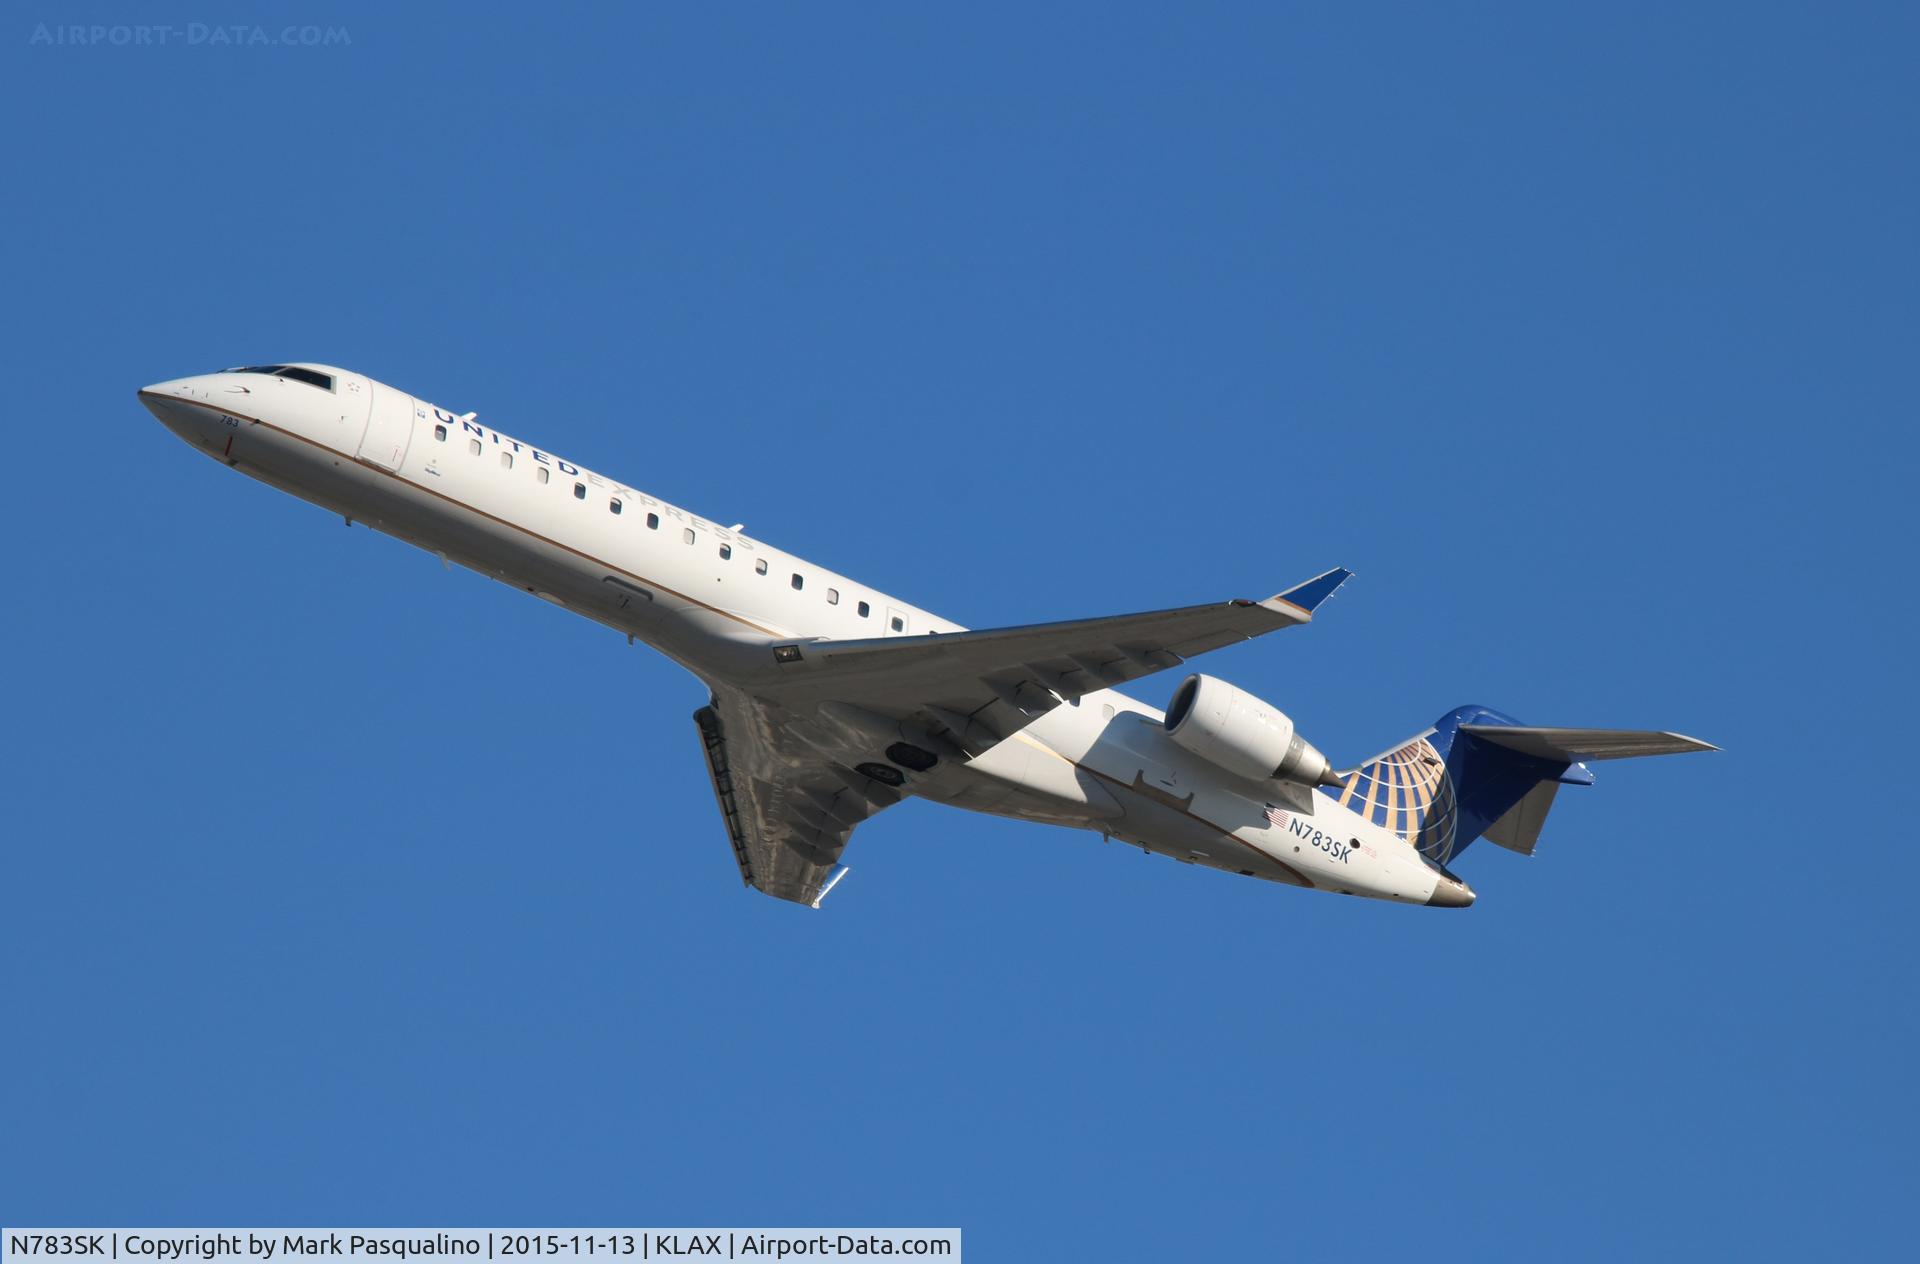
[{"x": 831, "y": 701}]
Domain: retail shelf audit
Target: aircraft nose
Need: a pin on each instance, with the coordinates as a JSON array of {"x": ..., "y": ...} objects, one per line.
[
  {"x": 170, "y": 400},
  {"x": 1450, "y": 893},
  {"x": 188, "y": 388},
  {"x": 176, "y": 404},
  {"x": 157, "y": 394}
]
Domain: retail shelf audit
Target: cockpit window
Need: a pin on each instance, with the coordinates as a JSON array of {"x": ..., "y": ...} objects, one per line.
[
  {"x": 293, "y": 371},
  {"x": 321, "y": 380}
]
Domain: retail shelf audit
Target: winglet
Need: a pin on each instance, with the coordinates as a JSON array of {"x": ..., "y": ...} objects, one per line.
[
  {"x": 1310, "y": 595},
  {"x": 833, "y": 880}
]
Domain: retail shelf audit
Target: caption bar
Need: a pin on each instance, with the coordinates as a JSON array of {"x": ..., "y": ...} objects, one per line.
[{"x": 385, "y": 1246}]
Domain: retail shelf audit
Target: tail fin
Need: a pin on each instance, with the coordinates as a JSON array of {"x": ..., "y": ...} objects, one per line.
[{"x": 1477, "y": 772}]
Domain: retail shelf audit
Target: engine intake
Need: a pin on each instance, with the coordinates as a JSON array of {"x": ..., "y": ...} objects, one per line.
[{"x": 1233, "y": 729}]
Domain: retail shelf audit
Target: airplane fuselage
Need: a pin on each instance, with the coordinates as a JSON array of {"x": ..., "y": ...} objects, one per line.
[{"x": 716, "y": 601}]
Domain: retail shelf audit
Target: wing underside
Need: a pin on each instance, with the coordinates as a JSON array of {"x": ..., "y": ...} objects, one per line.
[{"x": 788, "y": 811}]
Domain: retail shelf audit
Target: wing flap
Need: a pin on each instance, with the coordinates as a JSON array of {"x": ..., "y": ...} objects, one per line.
[{"x": 720, "y": 770}]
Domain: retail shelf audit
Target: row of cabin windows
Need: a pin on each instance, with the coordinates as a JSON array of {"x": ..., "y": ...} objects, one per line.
[
  {"x": 540, "y": 473},
  {"x": 615, "y": 506}
]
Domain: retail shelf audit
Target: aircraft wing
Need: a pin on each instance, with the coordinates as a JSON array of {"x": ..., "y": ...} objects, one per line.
[
  {"x": 978, "y": 688},
  {"x": 788, "y": 809}
]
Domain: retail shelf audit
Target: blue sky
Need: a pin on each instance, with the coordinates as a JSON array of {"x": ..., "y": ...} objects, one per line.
[{"x": 345, "y": 890}]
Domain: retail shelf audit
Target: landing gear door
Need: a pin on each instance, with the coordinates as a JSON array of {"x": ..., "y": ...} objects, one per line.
[{"x": 389, "y": 428}]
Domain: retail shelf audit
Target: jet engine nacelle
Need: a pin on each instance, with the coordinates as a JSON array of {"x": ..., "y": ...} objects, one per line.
[{"x": 1235, "y": 730}]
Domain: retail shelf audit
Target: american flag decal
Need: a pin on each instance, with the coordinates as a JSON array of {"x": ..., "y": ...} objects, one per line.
[{"x": 1279, "y": 816}]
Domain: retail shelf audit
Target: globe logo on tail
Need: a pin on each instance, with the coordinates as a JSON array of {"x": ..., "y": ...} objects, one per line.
[{"x": 1408, "y": 791}]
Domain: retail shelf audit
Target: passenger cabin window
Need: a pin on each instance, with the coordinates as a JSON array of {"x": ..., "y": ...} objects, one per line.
[
  {"x": 613, "y": 506},
  {"x": 898, "y": 624},
  {"x": 760, "y": 567},
  {"x": 726, "y": 551},
  {"x": 579, "y": 491},
  {"x": 798, "y": 581},
  {"x": 473, "y": 446},
  {"x": 833, "y": 596},
  {"x": 506, "y": 460},
  {"x": 541, "y": 475},
  {"x": 686, "y": 533},
  {"x": 440, "y": 433},
  {"x": 653, "y": 522},
  {"x": 864, "y": 609}
]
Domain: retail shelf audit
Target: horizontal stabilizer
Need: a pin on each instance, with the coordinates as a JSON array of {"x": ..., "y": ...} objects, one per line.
[{"x": 1575, "y": 746}]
